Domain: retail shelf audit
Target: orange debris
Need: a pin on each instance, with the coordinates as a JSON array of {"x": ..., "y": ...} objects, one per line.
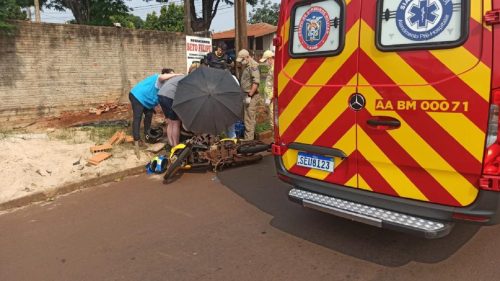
[{"x": 99, "y": 157}]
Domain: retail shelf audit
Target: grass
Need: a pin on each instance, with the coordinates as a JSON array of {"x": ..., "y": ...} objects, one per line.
[
  {"x": 5, "y": 133},
  {"x": 262, "y": 127},
  {"x": 97, "y": 135},
  {"x": 64, "y": 134},
  {"x": 102, "y": 134},
  {"x": 71, "y": 135}
]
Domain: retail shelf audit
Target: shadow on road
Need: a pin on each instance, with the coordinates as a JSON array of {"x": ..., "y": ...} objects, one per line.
[{"x": 262, "y": 189}]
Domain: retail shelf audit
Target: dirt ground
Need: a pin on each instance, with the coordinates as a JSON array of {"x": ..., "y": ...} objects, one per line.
[{"x": 53, "y": 151}]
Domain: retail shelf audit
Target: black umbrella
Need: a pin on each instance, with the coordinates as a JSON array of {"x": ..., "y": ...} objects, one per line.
[{"x": 208, "y": 100}]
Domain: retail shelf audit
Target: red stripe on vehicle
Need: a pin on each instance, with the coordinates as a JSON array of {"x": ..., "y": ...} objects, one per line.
[
  {"x": 373, "y": 178},
  {"x": 305, "y": 72},
  {"x": 324, "y": 95},
  {"x": 452, "y": 151},
  {"x": 343, "y": 172},
  {"x": 333, "y": 134},
  {"x": 450, "y": 87},
  {"x": 337, "y": 129},
  {"x": 475, "y": 45},
  {"x": 434, "y": 191}
]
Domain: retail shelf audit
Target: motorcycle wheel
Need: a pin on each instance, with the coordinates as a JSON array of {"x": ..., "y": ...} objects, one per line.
[
  {"x": 251, "y": 148},
  {"x": 174, "y": 167}
]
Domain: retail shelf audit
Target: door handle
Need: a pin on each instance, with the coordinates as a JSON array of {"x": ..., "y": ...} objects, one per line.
[
  {"x": 330, "y": 151},
  {"x": 384, "y": 123}
]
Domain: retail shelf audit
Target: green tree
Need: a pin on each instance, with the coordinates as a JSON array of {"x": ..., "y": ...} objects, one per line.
[
  {"x": 10, "y": 10},
  {"x": 266, "y": 12},
  {"x": 92, "y": 12},
  {"x": 171, "y": 19},
  {"x": 128, "y": 21}
]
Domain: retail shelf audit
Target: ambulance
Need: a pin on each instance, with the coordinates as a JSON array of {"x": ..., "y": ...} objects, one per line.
[{"x": 386, "y": 111}]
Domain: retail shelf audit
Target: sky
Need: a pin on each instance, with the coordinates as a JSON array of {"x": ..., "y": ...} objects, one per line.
[{"x": 224, "y": 19}]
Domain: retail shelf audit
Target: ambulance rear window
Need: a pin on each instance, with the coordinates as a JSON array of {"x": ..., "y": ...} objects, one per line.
[
  {"x": 421, "y": 24},
  {"x": 317, "y": 28}
]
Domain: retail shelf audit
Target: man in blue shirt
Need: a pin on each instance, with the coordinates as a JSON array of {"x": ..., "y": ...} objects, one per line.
[{"x": 144, "y": 98}]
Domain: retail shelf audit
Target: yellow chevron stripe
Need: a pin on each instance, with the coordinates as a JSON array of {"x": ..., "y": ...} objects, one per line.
[
  {"x": 326, "y": 70},
  {"x": 285, "y": 31},
  {"x": 362, "y": 184},
  {"x": 296, "y": 106},
  {"x": 477, "y": 10},
  {"x": 405, "y": 74},
  {"x": 403, "y": 186},
  {"x": 347, "y": 144},
  {"x": 476, "y": 76},
  {"x": 291, "y": 68},
  {"x": 487, "y": 6},
  {"x": 457, "y": 125},
  {"x": 290, "y": 158},
  {"x": 459, "y": 187},
  {"x": 352, "y": 181},
  {"x": 328, "y": 114}
]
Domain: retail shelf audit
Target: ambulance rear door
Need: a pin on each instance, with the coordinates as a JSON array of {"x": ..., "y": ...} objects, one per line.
[
  {"x": 316, "y": 74},
  {"x": 424, "y": 71}
]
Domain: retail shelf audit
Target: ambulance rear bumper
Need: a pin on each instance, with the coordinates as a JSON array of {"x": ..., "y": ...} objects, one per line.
[{"x": 487, "y": 204}]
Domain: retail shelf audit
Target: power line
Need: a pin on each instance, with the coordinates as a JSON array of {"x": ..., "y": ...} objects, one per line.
[{"x": 158, "y": 4}]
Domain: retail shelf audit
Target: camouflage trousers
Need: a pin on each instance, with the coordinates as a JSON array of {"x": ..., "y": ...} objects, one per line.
[{"x": 251, "y": 116}]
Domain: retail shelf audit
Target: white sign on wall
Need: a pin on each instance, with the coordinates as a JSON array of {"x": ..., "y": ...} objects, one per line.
[{"x": 197, "y": 48}]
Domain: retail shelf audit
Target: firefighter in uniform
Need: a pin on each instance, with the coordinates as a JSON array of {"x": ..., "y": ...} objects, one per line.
[
  {"x": 249, "y": 81},
  {"x": 268, "y": 57}
]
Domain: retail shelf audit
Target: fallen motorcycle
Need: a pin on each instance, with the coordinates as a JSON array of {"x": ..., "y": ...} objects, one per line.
[{"x": 221, "y": 154}]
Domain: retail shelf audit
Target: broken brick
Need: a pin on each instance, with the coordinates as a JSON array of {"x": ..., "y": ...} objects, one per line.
[
  {"x": 114, "y": 138},
  {"x": 100, "y": 148},
  {"x": 99, "y": 157},
  {"x": 121, "y": 137}
]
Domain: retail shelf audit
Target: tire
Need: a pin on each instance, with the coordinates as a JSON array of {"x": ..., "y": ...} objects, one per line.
[
  {"x": 252, "y": 148},
  {"x": 174, "y": 167}
]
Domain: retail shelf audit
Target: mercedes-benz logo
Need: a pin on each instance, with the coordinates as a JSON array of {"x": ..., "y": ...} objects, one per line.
[{"x": 357, "y": 102}]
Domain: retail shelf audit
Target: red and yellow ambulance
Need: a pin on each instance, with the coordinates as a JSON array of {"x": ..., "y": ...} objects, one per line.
[{"x": 386, "y": 111}]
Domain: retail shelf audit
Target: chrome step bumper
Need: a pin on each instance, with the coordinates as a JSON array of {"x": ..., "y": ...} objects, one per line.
[{"x": 371, "y": 215}]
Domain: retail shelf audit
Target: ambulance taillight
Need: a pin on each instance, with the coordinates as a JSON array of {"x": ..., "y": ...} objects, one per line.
[
  {"x": 490, "y": 179},
  {"x": 491, "y": 163}
]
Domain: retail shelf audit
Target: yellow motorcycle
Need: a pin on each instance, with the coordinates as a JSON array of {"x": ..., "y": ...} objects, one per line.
[{"x": 221, "y": 154}]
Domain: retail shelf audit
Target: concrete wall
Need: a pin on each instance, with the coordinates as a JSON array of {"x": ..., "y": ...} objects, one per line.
[{"x": 49, "y": 68}]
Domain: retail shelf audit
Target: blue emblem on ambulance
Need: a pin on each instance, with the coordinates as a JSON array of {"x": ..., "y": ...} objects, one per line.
[
  {"x": 314, "y": 28},
  {"x": 422, "y": 20}
]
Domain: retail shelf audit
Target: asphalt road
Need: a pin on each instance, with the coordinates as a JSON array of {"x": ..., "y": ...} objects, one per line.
[{"x": 236, "y": 226}]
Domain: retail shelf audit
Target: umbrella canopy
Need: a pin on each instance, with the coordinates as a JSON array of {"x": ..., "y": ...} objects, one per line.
[{"x": 208, "y": 100}]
